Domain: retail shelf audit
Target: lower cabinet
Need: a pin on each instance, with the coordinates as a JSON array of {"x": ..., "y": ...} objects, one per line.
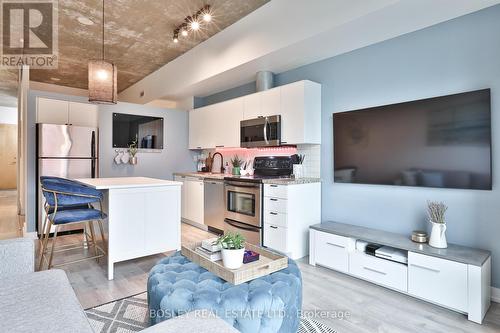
[
  {"x": 332, "y": 251},
  {"x": 384, "y": 272},
  {"x": 275, "y": 237},
  {"x": 437, "y": 280},
  {"x": 288, "y": 212},
  {"x": 192, "y": 198},
  {"x": 452, "y": 284}
]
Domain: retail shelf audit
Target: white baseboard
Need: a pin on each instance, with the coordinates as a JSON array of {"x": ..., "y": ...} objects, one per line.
[{"x": 495, "y": 295}]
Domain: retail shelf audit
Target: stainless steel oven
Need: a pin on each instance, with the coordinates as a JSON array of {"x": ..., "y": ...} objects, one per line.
[
  {"x": 261, "y": 132},
  {"x": 243, "y": 212}
]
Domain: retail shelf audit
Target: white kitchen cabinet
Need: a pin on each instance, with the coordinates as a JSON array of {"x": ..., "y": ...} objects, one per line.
[
  {"x": 226, "y": 123},
  {"x": 198, "y": 128},
  {"x": 289, "y": 210},
  {"x": 262, "y": 104},
  {"x": 194, "y": 199},
  {"x": 59, "y": 112},
  {"x": 52, "y": 111},
  {"x": 275, "y": 237},
  {"x": 83, "y": 114},
  {"x": 252, "y": 106},
  {"x": 298, "y": 103},
  {"x": 184, "y": 197},
  {"x": 301, "y": 113},
  {"x": 216, "y": 125}
]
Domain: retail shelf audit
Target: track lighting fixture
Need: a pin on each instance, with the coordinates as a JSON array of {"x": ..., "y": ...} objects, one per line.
[{"x": 192, "y": 23}]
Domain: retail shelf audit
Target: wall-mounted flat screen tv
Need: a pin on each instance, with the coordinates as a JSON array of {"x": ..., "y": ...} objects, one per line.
[
  {"x": 128, "y": 127},
  {"x": 440, "y": 142}
]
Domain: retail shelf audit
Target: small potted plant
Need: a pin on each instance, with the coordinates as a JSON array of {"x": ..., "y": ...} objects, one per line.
[
  {"x": 236, "y": 162},
  {"x": 436, "y": 211},
  {"x": 132, "y": 150},
  {"x": 233, "y": 249}
]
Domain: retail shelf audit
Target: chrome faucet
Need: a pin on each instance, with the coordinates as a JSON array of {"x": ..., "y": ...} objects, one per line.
[{"x": 221, "y": 162}]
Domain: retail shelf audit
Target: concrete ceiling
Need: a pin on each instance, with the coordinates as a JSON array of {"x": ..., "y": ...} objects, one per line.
[{"x": 138, "y": 36}]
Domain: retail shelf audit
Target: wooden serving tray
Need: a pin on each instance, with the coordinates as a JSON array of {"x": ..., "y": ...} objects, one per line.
[{"x": 269, "y": 262}]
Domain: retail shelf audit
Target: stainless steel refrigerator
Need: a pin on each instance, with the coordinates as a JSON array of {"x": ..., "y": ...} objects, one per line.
[{"x": 65, "y": 151}]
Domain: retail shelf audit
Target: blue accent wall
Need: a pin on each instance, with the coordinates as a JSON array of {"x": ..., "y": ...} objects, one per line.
[{"x": 455, "y": 56}]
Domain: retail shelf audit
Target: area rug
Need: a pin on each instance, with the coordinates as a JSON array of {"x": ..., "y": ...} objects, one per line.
[{"x": 131, "y": 315}]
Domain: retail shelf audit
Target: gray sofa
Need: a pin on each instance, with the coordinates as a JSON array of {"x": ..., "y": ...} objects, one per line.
[{"x": 45, "y": 302}]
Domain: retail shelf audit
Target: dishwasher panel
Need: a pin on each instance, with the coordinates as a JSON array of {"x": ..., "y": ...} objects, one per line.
[{"x": 214, "y": 205}]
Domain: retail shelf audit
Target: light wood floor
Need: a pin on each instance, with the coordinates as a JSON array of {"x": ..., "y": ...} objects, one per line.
[
  {"x": 10, "y": 226},
  {"x": 371, "y": 308}
]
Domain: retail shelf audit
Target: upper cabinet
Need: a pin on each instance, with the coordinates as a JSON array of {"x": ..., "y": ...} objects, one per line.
[
  {"x": 298, "y": 103},
  {"x": 216, "y": 125},
  {"x": 53, "y": 111},
  {"x": 262, "y": 104},
  {"x": 301, "y": 113}
]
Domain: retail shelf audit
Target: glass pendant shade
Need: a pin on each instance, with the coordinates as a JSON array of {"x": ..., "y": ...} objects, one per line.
[{"x": 102, "y": 82}]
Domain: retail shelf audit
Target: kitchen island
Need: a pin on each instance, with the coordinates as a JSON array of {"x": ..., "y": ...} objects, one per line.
[{"x": 144, "y": 216}]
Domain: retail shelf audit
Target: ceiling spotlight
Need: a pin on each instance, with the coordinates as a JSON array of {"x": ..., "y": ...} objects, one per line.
[
  {"x": 55, "y": 79},
  {"x": 207, "y": 17},
  {"x": 195, "y": 25},
  {"x": 184, "y": 31},
  {"x": 176, "y": 39}
]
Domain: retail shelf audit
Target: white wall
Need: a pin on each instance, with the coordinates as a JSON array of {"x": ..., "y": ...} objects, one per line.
[{"x": 8, "y": 115}]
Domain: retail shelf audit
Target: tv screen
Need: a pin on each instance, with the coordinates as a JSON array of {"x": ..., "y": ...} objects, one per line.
[
  {"x": 437, "y": 142},
  {"x": 148, "y": 131}
]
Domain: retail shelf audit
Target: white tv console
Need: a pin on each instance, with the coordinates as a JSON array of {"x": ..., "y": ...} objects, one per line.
[{"x": 457, "y": 278}]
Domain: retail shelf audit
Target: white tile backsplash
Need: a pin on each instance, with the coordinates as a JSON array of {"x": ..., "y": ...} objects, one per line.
[{"x": 312, "y": 160}]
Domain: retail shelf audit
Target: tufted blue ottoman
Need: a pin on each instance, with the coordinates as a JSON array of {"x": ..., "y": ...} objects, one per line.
[{"x": 267, "y": 304}]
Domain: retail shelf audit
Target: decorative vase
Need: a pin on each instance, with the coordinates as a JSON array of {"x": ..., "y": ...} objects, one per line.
[
  {"x": 236, "y": 171},
  {"x": 233, "y": 259},
  {"x": 438, "y": 236},
  {"x": 133, "y": 160},
  {"x": 298, "y": 170}
]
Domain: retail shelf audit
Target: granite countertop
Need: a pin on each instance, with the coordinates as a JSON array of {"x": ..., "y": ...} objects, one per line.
[
  {"x": 462, "y": 254},
  {"x": 204, "y": 175},
  {"x": 275, "y": 181},
  {"x": 291, "y": 181}
]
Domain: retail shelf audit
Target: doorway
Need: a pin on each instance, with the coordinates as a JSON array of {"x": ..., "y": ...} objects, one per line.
[{"x": 9, "y": 221}]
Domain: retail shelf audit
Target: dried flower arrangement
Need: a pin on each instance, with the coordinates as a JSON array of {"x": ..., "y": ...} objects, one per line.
[{"x": 436, "y": 211}]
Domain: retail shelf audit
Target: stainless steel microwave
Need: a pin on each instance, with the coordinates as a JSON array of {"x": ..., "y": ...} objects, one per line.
[{"x": 261, "y": 132}]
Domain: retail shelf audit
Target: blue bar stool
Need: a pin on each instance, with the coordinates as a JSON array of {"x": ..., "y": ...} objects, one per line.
[{"x": 68, "y": 202}]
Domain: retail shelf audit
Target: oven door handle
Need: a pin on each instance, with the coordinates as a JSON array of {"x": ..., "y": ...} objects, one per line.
[{"x": 240, "y": 225}]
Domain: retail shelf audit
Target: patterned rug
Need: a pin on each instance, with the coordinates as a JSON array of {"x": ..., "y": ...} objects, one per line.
[{"x": 131, "y": 315}]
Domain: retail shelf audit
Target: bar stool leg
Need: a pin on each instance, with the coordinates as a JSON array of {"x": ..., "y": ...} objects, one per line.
[
  {"x": 92, "y": 235},
  {"x": 53, "y": 246},
  {"x": 101, "y": 228},
  {"x": 44, "y": 242},
  {"x": 42, "y": 234}
]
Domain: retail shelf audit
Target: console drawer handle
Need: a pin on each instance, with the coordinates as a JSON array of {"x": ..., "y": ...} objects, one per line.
[
  {"x": 273, "y": 199},
  {"x": 426, "y": 268},
  {"x": 374, "y": 270},
  {"x": 273, "y": 213},
  {"x": 273, "y": 185},
  {"x": 273, "y": 227},
  {"x": 336, "y": 245}
]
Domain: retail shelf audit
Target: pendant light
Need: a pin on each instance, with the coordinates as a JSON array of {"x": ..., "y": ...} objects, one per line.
[{"x": 102, "y": 77}]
